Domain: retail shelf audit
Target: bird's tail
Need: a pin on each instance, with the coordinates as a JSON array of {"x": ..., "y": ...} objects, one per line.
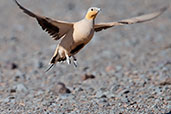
[
  {"x": 52, "y": 63},
  {"x": 55, "y": 57},
  {"x": 53, "y": 60},
  {"x": 49, "y": 67}
]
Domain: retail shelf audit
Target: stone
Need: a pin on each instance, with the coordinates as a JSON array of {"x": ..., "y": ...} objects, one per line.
[
  {"x": 88, "y": 76},
  {"x": 60, "y": 88}
]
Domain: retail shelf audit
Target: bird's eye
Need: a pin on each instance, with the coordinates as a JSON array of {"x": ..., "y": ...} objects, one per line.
[{"x": 91, "y": 9}]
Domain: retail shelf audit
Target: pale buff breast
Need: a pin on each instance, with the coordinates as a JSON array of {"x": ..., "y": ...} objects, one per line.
[{"x": 83, "y": 31}]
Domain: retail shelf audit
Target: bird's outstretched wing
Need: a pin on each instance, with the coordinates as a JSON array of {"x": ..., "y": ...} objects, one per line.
[
  {"x": 139, "y": 19},
  {"x": 56, "y": 29}
]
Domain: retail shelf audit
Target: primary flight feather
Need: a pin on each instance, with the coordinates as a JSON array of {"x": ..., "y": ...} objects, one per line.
[{"x": 75, "y": 35}]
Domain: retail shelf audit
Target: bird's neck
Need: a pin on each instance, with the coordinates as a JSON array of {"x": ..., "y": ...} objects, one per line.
[
  {"x": 90, "y": 16},
  {"x": 91, "y": 22}
]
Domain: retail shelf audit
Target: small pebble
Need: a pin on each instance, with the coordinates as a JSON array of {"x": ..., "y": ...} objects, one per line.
[
  {"x": 88, "y": 76},
  {"x": 85, "y": 68},
  {"x": 60, "y": 88},
  {"x": 126, "y": 92},
  {"x": 110, "y": 68},
  {"x": 13, "y": 66},
  {"x": 12, "y": 91},
  {"x": 166, "y": 82},
  {"x": 40, "y": 64},
  {"x": 13, "y": 38},
  {"x": 19, "y": 76},
  {"x": 21, "y": 88},
  {"x": 100, "y": 94}
]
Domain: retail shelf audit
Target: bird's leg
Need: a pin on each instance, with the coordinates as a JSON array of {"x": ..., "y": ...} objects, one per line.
[
  {"x": 75, "y": 61},
  {"x": 68, "y": 59}
]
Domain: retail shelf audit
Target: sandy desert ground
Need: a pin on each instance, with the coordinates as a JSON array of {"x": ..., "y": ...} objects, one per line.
[{"x": 123, "y": 70}]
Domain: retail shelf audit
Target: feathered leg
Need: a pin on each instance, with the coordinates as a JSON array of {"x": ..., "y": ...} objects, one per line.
[{"x": 67, "y": 58}]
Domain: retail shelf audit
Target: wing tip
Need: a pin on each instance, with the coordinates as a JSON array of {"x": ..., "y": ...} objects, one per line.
[
  {"x": 25, "y": 10},
  {"x": 163, "y": 9},
  {"x": 17, "y": 3}
]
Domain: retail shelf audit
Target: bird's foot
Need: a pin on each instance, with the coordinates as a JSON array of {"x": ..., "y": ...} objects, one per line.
[{"x": 75, "y": 61}]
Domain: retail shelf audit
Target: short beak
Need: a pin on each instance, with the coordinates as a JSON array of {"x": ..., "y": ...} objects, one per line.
[{"x": 99, "y": 9}]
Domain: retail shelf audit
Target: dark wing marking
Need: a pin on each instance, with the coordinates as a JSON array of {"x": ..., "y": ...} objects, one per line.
[
  {"x": 77, "y": 48},
  {"x": 139, "y": 19},
  {"x": 56, "y": 29}
]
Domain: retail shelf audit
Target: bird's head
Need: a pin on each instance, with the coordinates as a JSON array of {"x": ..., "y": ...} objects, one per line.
[{"x": 92, "y": 13}]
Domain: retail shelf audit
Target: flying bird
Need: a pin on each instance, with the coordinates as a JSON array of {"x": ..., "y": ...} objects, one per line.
[{"x": 75, "y": 35}]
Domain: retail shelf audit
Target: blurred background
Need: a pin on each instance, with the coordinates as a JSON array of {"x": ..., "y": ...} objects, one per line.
[{"x": 128, "y": 66}]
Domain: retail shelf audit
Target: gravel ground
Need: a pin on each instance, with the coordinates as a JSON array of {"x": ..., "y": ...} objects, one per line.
[{"x": 123, "y": 70}]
